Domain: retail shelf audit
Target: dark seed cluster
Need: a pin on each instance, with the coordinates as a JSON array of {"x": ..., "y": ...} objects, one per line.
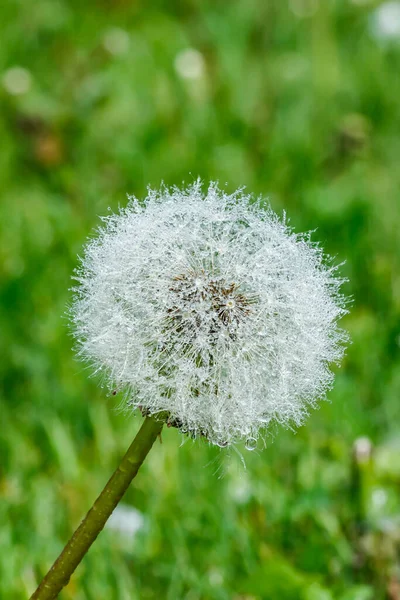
[{"x": 201, "y": 299}]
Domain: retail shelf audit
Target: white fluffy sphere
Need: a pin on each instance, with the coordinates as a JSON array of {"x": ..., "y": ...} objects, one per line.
[{"x": 209, "y": 307}]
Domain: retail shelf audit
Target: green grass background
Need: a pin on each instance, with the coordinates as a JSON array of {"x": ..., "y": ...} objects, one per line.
[{"x": 302, "y": 109}]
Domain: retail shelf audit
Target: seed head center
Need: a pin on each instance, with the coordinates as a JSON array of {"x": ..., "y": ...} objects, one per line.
[{"x": 200, "y": 301}]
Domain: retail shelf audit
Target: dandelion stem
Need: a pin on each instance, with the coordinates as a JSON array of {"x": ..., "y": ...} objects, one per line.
[{"x": 61, "y": 571}]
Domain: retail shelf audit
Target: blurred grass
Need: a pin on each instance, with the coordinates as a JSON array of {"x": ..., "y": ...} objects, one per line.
[{"x": 301, "y": 108}]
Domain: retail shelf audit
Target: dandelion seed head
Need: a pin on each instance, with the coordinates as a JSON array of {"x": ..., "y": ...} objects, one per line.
[{"x": 209, "y": 307}]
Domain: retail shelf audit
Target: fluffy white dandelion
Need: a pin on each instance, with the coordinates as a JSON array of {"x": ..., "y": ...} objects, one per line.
[{"x": 210, "y": 308}]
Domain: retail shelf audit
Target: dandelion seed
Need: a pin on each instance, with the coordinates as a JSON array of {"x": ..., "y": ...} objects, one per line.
[{"x": 209, "y": 307}]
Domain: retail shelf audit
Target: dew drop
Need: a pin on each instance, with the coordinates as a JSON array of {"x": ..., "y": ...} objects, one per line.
[
  {"x": 222, "y": 444},
  {"x": 251, "y": 443}
]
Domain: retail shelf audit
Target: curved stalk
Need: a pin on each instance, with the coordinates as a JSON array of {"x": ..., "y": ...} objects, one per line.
[{"x": 61, "y": 571}]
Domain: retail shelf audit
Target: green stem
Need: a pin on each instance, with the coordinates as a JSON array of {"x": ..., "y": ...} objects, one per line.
[{"x": 93, "y": 523}]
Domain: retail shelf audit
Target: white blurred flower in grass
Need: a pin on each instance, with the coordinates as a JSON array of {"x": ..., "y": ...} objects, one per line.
[
  {"x": 116, "y": 41},
  {"x": 379, "y": 498},
  {"x": 126, "y": 520},
  {"x": 215, "y": 577},
  {"x": 209, "y": 307},
  {"x": 303, "y": 8},
  {"x": 189, "y": 64},
  {"x": 17, "y": 81},
  {"x": 385, "y": 21},
  {"x": 362, "y": 450}
]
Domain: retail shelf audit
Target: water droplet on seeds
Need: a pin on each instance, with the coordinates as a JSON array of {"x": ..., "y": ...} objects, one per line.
[
  {"x": 251, "y": 443},
  {"x": 222, "y": 444}
]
